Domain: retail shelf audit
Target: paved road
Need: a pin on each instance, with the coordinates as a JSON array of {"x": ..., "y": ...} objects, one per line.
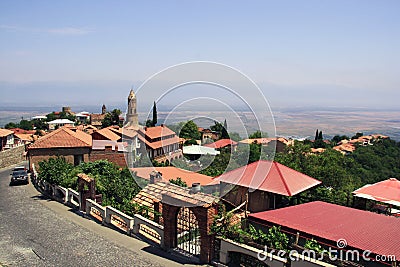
[{"x": 38, "y": 232}]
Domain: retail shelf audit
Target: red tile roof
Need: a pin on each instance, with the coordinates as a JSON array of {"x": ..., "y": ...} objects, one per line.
[
  {"x": 5, "y": 132},
  {"x": 157, "y": 131},
  {"x": 63, "y": 138},
  {"x": 271, "y": 177},
  {"x": 222, "y": 143},
  {"x": 361, "y": 229},
  {"x": 22, "y": 131},
  {"x": 384, "y": 191},
  {"x": 108, "y": 134},
  {"x": 173, "y": 173}
]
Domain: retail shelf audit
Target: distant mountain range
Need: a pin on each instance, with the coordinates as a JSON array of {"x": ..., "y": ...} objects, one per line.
[{"x": 299, "y": 121}]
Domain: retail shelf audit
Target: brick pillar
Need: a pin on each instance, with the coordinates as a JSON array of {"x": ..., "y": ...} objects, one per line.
[
  {"x": 169, "y": 214},
  {"x": 205, "y": 218}
]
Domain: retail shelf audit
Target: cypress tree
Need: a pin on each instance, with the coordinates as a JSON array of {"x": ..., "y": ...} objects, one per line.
[
  {"x": 320, "y": 136},
  {"x": 154, "y": 114},
  {"x": 316, "y": 135}
]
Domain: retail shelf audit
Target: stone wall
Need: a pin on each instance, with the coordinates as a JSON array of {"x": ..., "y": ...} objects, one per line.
[{"x": 12, "y": 156}]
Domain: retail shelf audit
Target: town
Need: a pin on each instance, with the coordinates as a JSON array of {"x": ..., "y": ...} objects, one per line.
[{"x": 213, "y": 197}]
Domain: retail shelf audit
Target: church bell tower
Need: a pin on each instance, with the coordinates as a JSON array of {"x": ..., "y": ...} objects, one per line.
[{"x": 131, "y": 115}]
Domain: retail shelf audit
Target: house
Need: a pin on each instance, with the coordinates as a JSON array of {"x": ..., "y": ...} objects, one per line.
[
  {"x": 160, "y": 142},
  {"x": 345, "y": 147},
  {"x": 83, "y": 117},
  {"x": 106, "y": 134},
  {"x": 337, "y": 227},
  {"x": 194, "y": 152},
  {"x": 208, "y": 135},
  {"x": 39, "y": 117},
  {"x": 74, "y": 145},
  {"x": 24, "y": 139},
  {"x": 55, "y": 124},
  {"x": 387, "y": 192},
  {"x": 110, "y": 150},
  {"x": 223, "y": 143},
  {"x": 97, "y": 119},
  {"x": 6, "y": 139},
  {"x": 279, "y": 143},
  {"x": 170, "y": 172},
  {"x": 263, "y": 184}
]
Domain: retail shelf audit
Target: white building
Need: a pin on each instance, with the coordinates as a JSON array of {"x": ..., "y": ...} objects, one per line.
[{"x": 60, "y": 123}]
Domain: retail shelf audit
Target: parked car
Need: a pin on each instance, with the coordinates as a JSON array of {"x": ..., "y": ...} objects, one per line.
[
  {"x": 19, "y": 168},
  {"x": 19, "y": 177}
]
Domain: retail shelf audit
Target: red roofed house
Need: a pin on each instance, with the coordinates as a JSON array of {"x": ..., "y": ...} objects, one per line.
[
  {"x": 387, "y": 191},
  {"x": 327, "y": 223},
  {"x": 6, "y": 139},
  {"x": 223, "y": 143},
  {"x": 106, "y": 134},
  {"x": 170, "y": 172},
  {"x": 161, "y": 143},
  {"x": 265, "y": 182},
  {"x": 278, "y": 143},
  {"x": 74, "y": 145}
]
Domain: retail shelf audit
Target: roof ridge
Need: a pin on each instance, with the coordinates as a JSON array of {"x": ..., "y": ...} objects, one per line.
[
  {"x": 77, "y": 135},
  {"x": 281, "y": 177},
  {"x": 45, "y": 137}
]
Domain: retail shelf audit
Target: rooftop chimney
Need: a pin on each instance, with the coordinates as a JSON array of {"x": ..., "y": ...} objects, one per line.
[
  {"x": 195, "y": 188},
  {"x": 155, "y": 177}
]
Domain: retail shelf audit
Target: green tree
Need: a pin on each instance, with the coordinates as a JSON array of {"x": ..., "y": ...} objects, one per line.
[
  {"x": 357, "y": 135},
  {"x": 337, "y": 138},
  {"x": 235, "y": 136},
  {"x": 178, "y": 181},
  {"x": 26, "y": 125},
  {"x": 190, "y": 131},
  {"x": 57, "y": 171},
  {"x": 316, "y": 135},
  {"x": 258, "y": 134},
  {"x": 39, "y": 124},
  {"x": 320, "y": 136},
  {"x": 190, "y": 142},
  {"x": 221, "y": 129},
  {"x": 11, "y": 125},
  {"x": 149, "y": 123},
  {"x": 154, "y": 121},
  {"x": 111, "y": 118}
]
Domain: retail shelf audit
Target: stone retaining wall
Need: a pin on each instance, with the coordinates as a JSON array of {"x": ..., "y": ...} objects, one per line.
[{"x": 12, "y": 156}]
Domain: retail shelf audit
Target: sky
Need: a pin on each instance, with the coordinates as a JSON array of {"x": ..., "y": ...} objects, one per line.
[{"x": 300, "y": 53}]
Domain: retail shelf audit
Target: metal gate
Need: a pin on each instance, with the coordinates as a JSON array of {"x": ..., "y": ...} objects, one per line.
[{"x": 188, "y": 234}]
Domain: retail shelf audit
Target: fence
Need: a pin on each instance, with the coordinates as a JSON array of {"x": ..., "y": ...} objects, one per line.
[{"x": 105, "y": 215}]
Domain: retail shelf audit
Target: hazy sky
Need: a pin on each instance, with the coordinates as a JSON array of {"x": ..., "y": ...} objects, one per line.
[{"x": 299, "y": 52}]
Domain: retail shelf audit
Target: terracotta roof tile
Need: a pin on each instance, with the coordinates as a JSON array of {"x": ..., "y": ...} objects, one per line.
[
  {"x": 173, "y": 172},
  {"x": 5, "y": 132},
  {"x": 25, "y": 137},
  {"x": 222, "y": 143},
  {"x": 63, "y": 138},
  {"x": 269, "y": 176},
  {"x": 108, "y": 134},
  {"x": 157, "y": 131},
  {"x": 361, "y": 229},
  {"x": 155, "y": 192}
]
